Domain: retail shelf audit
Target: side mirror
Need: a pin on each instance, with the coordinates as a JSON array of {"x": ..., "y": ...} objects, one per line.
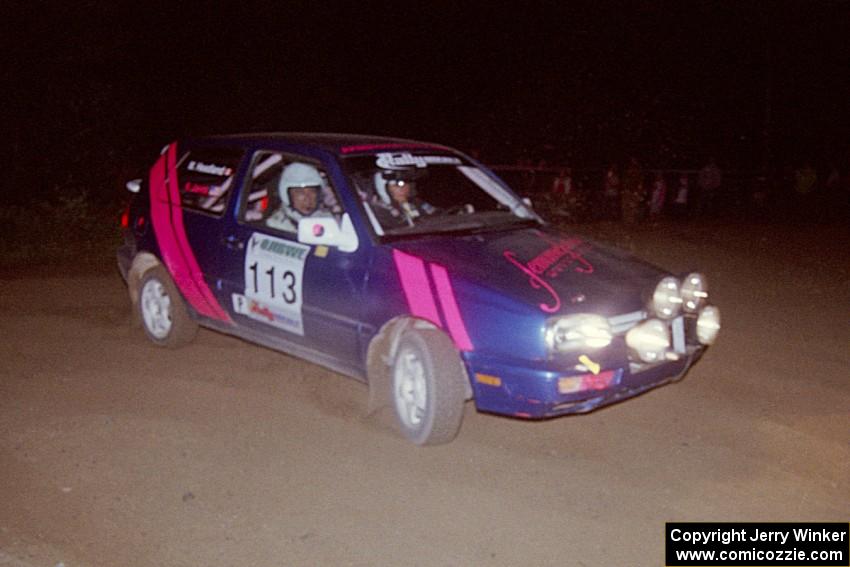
[
  {"x": 325, "y": 231},
  {"x": 134, "y": 186},
  {"x": 527, "y": 202}
]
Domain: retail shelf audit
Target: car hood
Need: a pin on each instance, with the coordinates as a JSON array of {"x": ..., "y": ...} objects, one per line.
[{"x": 546, "y": 269}]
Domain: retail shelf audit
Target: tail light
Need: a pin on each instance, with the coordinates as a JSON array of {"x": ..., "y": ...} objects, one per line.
[{"x": 125, "y": 218}]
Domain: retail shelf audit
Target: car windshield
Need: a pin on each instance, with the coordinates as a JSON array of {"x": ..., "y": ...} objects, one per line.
[{"x": 426, "y": 192}]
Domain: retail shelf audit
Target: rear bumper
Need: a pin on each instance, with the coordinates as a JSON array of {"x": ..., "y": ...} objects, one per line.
[{"x": 533, "y": 393}]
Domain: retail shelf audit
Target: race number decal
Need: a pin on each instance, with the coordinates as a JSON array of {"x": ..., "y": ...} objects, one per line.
[{"x": 274, "y": 270}]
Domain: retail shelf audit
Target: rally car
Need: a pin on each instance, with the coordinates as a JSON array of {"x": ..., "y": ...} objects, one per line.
[{"x": 407, "y": 265}]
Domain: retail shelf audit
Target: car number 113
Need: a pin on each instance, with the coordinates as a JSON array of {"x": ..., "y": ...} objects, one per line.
[{"x": 274, "y": 270}]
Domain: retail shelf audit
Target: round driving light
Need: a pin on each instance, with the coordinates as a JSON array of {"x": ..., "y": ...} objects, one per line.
[
  {"x": 708, "y": 324},
  {"x": 650, "y": 340},
  {"x": 694, "y": 292},
  {"x": 667, "y": 299}
]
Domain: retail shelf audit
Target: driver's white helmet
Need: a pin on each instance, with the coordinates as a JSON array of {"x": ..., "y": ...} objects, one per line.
[{"x": 298, "y": 175}]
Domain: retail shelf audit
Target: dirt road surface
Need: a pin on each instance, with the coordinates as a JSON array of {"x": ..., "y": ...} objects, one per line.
[{"x": 115, "y": 452}]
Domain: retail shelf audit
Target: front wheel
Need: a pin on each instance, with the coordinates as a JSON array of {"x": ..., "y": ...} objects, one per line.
[
  {"x": 162, "y": 311},
  {"x": 428, "y": 387}
]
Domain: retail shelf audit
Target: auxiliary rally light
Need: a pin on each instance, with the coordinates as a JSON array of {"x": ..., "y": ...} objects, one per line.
[
  {"x": 667, "y": 299},
  {"x": 708, "y": 324},
  {"x": 694, "y": 292},
  {"x": 650, "y": 340}
]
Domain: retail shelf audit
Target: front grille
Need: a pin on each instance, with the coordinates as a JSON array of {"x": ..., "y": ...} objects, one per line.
[{"x": 620, "y": 324}]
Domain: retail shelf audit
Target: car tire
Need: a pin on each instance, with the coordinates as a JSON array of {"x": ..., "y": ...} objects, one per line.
[
  {"x": 428, "y": 389},
  {"x": 162, "y": 311}
]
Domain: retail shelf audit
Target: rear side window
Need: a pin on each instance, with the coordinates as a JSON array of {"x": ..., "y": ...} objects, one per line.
[{"x": 206, "y": 178}]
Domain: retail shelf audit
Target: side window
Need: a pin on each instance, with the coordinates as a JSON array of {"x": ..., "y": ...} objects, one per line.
[
  {"x": 282, "y": 189},
  {"x": 206, "y": 178}
]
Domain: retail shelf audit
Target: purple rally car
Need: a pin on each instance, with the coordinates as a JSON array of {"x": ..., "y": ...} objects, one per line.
[{"x": 406, "y": 265}]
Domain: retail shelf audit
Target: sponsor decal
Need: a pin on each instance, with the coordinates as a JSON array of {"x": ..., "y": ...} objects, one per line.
[
  {"x": 209, "y": 168},
  {"x": 561, "y": 255},
  {"x": 274, "y": 272},
  {"x": 405, "y": 160},
  {"x": 264, "y": 313},
  {"x": 196, "y": 188}
]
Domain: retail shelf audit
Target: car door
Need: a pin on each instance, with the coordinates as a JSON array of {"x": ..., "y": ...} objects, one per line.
[
  {"x": 301, "y": 295},
  {"x": 191, "y": 190}
]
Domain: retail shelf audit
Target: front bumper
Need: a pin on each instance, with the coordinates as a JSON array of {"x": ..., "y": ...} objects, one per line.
[{"x": 509, "y": 387}]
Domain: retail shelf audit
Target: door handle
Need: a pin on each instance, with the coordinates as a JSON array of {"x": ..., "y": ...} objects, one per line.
[{"x": 234, "y": 242}]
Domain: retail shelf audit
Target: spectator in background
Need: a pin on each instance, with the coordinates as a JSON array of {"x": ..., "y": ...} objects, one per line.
[
  {"x": 805, "y": 181},
  {"x": 634, "y": 192},
  {"x": 833, "y": 179},
  {"x": 709, "y": 180},
  {"x": 562, "y": 191},
  {"x": 758, "y": 196},
  {"x": 527, "y": 175},
  {"x": 542, "y": 178},
  {"x": 611, "y": 192},
  {"x": 658, "y": 196},
  {"x": 834, "y": 190},
  {"x": 562, "y": 185},
  {"x": 680, "y": 203}
]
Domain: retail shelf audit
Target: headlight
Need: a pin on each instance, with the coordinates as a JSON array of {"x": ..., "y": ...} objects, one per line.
[
  {"x": 708, "y": 324},
  {"x": 650, "y": 340},
  {"x": 694, "y": 292},
  {"x": 666, "y": 299},
  {"x": 573, "y": 332}
]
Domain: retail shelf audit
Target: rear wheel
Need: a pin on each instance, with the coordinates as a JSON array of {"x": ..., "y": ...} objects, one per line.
[
  {"x": 163, "y": 313},
  {"x": 428, "y": 387}
]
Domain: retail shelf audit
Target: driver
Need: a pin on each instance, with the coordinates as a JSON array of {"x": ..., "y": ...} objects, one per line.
[
  {"x": 398, "y": 200},
  {"x": 300, "y": 188}
]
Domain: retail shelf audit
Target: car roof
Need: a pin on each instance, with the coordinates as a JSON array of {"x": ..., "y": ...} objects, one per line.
[{"x": 340, "y": 144}]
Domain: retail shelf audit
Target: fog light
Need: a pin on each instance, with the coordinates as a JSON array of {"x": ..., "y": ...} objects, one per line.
[
  {"x": 650, "y": 340},
  {"x": 708, "y": 324}
]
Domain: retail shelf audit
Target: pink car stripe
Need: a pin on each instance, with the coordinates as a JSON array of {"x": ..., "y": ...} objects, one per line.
[
  {"x": 197, "y": 276},
  {"x": 167, "y": 218},
  {"x": 417, "y": 290},
  {"x": 448, "y": 302},
  {"x": 164, "y": 231}
]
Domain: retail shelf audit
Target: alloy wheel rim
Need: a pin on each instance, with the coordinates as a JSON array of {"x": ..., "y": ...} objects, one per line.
[
  {"x": 156, "y": 309},
  {"x": 411, "y": 389}
]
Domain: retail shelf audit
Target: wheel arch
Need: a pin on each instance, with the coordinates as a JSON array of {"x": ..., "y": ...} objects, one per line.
[
  {"x": 142, "y": 262},
  {"x": 382, "y": 350}
]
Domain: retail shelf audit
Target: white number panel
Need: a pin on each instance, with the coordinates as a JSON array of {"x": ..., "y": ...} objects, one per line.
[{"x": 274, "y": 270}]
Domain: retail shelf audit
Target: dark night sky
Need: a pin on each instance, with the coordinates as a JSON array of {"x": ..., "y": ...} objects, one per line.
[{"x": 94, "y": 89}]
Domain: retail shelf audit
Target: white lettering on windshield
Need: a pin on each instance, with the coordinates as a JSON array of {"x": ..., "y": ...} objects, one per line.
[{"x": 406, "y": 160}]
